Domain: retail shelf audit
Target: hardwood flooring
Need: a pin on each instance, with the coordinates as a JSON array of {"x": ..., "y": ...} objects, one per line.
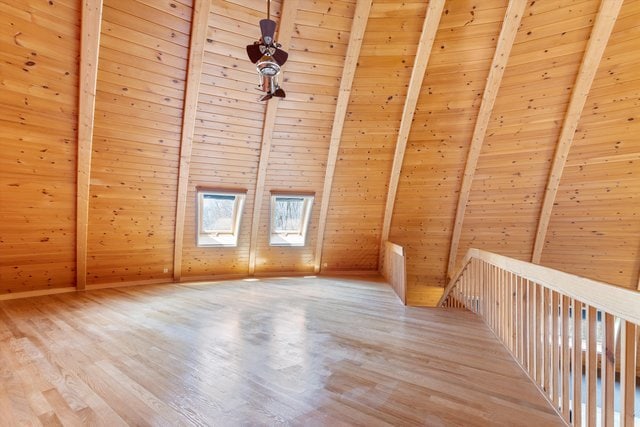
[{"x": 298, "y": 351}]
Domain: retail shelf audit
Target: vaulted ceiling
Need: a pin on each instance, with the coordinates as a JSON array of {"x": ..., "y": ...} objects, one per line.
[{"x": 509, "y": 126}]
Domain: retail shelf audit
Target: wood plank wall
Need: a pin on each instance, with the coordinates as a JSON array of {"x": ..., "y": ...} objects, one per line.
[
  {"x": 302, "y": 131},
  {"x": 595, "y": 224},
  {"x": 39, "y": 45},
  {"x": 356, "y": 209},
  {"x": 136, "y": 142},
  {"x": 439, "y": 140},
  {"x": 139, "y": 109},
  {"x": 227, "y": 139},
  {"x": 509, "y": 183}
]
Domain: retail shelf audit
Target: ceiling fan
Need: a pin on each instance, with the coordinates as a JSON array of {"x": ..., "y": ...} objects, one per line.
[{"x": 268, "y": 57}]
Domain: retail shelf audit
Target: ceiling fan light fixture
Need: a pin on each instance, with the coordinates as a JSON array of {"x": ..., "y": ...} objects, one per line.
[{"x": 266, "y": 66}]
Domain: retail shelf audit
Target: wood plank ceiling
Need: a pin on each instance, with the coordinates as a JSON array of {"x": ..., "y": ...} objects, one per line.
[{"x": 434, "y": 124}]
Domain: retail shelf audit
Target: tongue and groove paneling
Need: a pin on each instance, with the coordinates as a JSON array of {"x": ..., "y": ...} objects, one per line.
[
  {"x": 302, "y": 129},
  {"x": 228, "y": 133},
  {"x": 139, "y": 103},
  {"x": 511, "y": 175},
  {"x": 358, "y": 196},
  {"x": 439, "y": 140},
  {"x": 39, "y": 43},
  {"x": 595, "y": 222}
]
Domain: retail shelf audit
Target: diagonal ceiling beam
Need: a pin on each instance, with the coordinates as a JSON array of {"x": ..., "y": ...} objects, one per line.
[
  {"x": 199, "y": 26},
  {"x": 358, "y": 26},
  {"x": 285, "y": 32},
  {"x": 89, "y": 48},
  {"x": 510, "y": 26},
  {"x": 428, "y": 36},
  {"x": 602, "y": 28}
]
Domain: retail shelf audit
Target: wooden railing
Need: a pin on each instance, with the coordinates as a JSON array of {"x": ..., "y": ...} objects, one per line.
[
  {"x": 565, "y": 331},
  {"x": 394, "y": 269}
]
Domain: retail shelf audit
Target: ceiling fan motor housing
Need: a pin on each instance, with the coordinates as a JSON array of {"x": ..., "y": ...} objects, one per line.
[{"x": 266, "y": 66}]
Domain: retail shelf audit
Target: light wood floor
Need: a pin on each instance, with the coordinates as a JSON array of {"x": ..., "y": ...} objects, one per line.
[{"x": 275, "y": 351}]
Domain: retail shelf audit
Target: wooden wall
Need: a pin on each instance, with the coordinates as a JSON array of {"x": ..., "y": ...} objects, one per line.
[
  {"x": 302, "y": 129},
  {"x": 356, "y": 209},
  {"x": 228, "y": 133},
  {"x": 439, "y": 139},
  {"x": 136, "y": 140},
  {"x": 140, "y": 108},
  {"x": 595, "y": 226},
  {"x": 512, "y": 172},
  {"x": 39, "y": 45}
]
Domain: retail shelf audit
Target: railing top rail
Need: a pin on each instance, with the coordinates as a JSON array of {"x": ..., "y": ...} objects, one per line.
[{"x": 621, "y": 302}]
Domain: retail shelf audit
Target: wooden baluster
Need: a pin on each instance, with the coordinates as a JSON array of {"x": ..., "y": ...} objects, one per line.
[
  {"x": 577, "y": 363},
  {"x": 565, "y": 354},
  {"x": 627, "y": 372},
  {"x": 591, "y": 366},
  {"x": 608, "y": 369},
  {"x": 524, "y": 332},
  {"x": 540, "y": 337},
  {"x": 476, "y": 275},
  {"x": 494, "y": 296},
  {"x": 493, "y": 290},
  {"x": 516, "y": 315},
  {"x": 546, "y": 344},
  {"x": 513, "y": 314},
  {"x": 505, "y": 308},
  {"x": 531, "y": 328},
  {"x": 476, "y": 286},
  {"x": 535, "y": 361},
  {"x": 500, "y": 304},
  {"x": 554, "y": 366}
]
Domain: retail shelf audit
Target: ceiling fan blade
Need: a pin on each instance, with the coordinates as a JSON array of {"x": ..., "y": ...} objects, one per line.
[
  {"x": 279, "y": 93},
  {"x": 268, "y": 29},
  {"x": 266, "y": 97},
  {"x": 280, "y": 56},
  {"x": 253, "y": 50}
]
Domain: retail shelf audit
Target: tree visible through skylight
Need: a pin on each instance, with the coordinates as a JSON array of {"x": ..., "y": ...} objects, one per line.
[
  {"x": 288, "y": 214},
  {"x": 217, "y": 213}
]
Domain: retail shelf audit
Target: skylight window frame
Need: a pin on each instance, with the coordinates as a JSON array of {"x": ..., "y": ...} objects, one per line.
[
  {"x": 219, "y": 238},
  {"x": 296, "y": 238}
]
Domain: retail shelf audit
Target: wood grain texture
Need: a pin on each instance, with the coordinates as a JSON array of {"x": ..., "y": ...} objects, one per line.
[
  {"x": 272, "y": 351},
  {"x": 226, "y": 146},
  {"x": 598, "y": 40},
  {"x": 284, "y": 34},
  {"x": 199, "y": 26},
  {"x": 358, "y": 26},
  {"x": 134, "y": 167},
  {"x": 595, "y": 223},
  {"x": 423, "y": 53},
  {"x": 39, "y": 69},
  {"x": 89, "y": 49},
  {"x": 512, "y": 19},
  {"x": 508, "y": 188},
  {"x": 356, "y": 211},
  {"x": 439, "y": 142}
]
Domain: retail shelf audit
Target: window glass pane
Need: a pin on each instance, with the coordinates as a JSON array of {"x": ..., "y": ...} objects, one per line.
[
  {"x": 288, "y": 214},
  {"x": 217, "y": 213}
]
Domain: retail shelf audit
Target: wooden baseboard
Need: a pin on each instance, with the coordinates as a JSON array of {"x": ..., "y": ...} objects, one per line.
[
  {"x": 338, "y": 273},
  {"x": 188, "y": 280},
  {"x": 110, "y": 285},
  {"x": 37, "y": 293},
  {"x": 212, "y": 278}
]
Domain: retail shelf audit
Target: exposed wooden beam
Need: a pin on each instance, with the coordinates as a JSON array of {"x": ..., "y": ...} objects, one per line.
[
  {"x": 600, "y": 33},
  {"x": 89, "y": 48},
  {"x": 358, "y": 27},
  {"x": 285, "y": 32},
  {"x": 428, "y": 36},
  {"x": 199, "y": 26},
  {"x": 510, "y": 26}
]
